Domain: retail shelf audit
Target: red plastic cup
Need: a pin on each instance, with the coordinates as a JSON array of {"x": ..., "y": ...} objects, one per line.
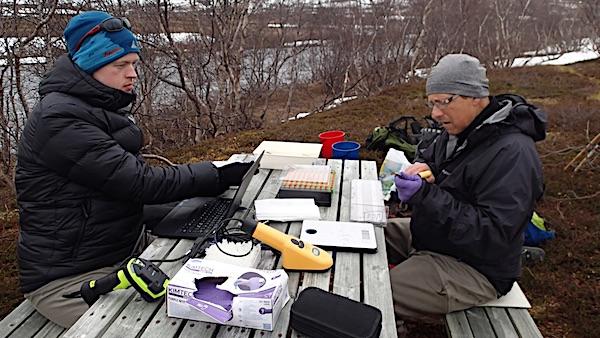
[{"x": 328, "y": 138}]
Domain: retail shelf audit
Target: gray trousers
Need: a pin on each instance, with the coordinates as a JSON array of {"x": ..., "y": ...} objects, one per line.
[
  {"x": 48, "y": 300},
  {"x": 426, "y": 285}
]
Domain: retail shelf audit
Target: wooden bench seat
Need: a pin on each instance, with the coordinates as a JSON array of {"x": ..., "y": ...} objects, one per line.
[
  {"x": 476, "y": 322},
  {"x": 25, "y": 321},
  {"x": 491, "y": 322}
]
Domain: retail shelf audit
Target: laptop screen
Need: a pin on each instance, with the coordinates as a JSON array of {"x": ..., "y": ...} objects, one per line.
[{"x": 239, "y": 194}]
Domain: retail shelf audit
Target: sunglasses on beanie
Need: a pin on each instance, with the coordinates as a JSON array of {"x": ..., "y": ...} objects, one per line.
[{"x": 109, "y": 25}]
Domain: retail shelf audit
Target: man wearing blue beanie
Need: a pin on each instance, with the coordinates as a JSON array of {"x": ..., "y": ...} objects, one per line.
[
  {"x": 95, "y": 39},
  {"x": 81, "y": 181}
]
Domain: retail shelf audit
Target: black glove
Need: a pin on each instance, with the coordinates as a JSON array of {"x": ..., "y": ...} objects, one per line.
[{"x": 233, "y": 173}]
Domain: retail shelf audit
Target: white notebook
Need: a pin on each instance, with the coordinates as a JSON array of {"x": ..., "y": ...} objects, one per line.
[{"x": 349, "y": 236}]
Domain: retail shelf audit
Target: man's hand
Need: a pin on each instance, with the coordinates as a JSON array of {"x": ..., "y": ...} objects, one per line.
[
  {"x": 407, "y": 185},
  {"x": 233, "y": 173},
  {"x": 418, "y": 167}
]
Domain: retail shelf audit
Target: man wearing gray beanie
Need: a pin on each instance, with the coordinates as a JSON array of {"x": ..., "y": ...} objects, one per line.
[{"x": 472, "y": 193}]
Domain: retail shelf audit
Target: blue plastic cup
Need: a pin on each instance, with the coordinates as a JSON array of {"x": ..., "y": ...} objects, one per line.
[{"x": 346, "y": 150}]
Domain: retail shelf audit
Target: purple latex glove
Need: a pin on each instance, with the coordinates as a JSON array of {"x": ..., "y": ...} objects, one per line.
[{"x": 407, "y": 185}]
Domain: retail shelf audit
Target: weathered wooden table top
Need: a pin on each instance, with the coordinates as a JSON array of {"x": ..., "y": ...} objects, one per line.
[{"x": 359, "y": 276}]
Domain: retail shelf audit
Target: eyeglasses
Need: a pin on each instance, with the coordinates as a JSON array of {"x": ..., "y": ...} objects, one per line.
[
  {"x": 109, "y": 25},
  {"x": 441, "y": 104}
]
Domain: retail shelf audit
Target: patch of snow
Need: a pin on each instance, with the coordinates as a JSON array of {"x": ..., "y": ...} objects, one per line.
[
  {"x": 282, "y": 25},
  {"x": 549, "y": 57},
  {"x": 586, "y": 52},
  {"x": 297, "y": 117},
  {"x": 177, "y": 37},
  {"x": 556, "y": 59},
  {"x": 333, "y": 104},
  {"x": 339, "y": 101},
  {"x": 8, "y": 43},
  {"x": 187, "y": 37},
  {"x": 421, "y": 72},
  {"x": 26, "y": 61},
  {"x": 304, "y": 43}
]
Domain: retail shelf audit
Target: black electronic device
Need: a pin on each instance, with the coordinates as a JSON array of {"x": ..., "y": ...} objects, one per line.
[
  {"x": 148, "y": 279},
  {"x": 200, "y": 217},
  {"x": 318, "y": 313}
]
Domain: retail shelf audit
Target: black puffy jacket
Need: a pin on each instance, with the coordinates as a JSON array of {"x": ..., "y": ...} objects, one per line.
[
  {"x": 484, "y": 193},
  {"x": 81, "y": 181}
]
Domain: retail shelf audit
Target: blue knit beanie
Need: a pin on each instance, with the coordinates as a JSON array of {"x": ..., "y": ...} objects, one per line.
[{"x": 101, "y": 48}]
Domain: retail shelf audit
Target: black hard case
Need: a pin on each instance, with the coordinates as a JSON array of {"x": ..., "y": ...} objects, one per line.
[{"x": 318, "y": 313}]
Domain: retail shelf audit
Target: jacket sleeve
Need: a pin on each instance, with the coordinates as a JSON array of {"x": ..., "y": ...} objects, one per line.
[
  {"x": 85, "y": 154},
  {"x": 503, "y": 194}
]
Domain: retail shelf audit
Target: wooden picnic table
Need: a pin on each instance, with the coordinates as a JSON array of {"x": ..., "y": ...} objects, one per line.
[{"x": 359, "y": 276}]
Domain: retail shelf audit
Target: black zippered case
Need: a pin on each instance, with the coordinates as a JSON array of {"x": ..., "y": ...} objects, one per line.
[{"x": 318, "y": 313}]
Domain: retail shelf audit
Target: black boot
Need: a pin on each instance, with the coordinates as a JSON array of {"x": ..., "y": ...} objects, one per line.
[{"x": 531, "y": 255}]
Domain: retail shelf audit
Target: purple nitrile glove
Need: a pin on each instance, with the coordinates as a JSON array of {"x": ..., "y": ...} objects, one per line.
[{"x": 407, "y": 185}]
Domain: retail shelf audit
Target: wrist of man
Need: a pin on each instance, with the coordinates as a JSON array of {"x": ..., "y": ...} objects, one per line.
[
  {"x": 420, "y": 194},
  {"x": 206, "y": 178}
]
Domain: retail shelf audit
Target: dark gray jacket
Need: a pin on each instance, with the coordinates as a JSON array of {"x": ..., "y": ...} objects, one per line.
[
  {"x": 484, "y": 192},
  {"x": 81, "y": 182}
]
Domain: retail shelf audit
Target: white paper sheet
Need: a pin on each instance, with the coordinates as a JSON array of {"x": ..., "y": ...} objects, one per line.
[
  {"x": 287, "y": 209},
  {"x": 514, "y": 298}
]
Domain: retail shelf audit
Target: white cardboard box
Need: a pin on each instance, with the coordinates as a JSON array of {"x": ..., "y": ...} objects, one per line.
[
  {"x": 227, "y": 294},
  {"x": 280, "y": 154}
]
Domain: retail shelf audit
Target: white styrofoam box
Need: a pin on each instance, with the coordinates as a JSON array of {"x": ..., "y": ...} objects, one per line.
[{"x": 280, "y": 154}]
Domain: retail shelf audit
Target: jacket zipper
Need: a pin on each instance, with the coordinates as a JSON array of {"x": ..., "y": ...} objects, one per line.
[{"x": 86, "y": 215}]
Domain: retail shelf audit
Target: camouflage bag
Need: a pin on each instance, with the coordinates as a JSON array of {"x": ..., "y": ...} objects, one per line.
[{"x": 405, "y": 134}]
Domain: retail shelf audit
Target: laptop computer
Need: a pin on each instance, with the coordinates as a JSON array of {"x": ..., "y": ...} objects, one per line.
[{"x": 202, "y": 216}]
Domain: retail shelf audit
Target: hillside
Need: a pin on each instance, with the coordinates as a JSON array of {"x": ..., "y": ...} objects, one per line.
[{"x": 565, "y": 289}]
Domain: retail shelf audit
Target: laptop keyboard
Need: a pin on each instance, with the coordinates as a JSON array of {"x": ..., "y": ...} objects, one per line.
[{"x": 207, "y": 219}]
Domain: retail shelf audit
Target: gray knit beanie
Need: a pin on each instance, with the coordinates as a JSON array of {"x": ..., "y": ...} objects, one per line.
[{"x": 459, "y": 74}]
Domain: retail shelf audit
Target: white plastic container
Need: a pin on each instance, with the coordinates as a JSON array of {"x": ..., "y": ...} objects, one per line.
[{"x": 281, "y": 155}]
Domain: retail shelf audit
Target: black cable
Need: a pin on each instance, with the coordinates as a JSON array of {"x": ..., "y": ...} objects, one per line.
[
  {"x": 168, "y": 260},
  {"x": 233, "y": 236},
  {"x": 134, "y": 250},
  {"x": 138, "y": 241},
  {"x": 202, "y": 243}
]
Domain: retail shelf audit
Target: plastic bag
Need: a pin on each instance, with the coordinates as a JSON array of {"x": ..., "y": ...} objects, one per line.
[{"x": 395, "y": 161}]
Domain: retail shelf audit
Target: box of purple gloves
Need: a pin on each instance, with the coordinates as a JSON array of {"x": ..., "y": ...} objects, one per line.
[{"x": 221, "y": 293}]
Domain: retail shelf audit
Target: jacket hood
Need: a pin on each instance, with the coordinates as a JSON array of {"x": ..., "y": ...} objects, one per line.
[
  {"x": 527, "y": 118},
  {"x": 66, "y": 77},
  {"x": 514, "y": 115}
]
